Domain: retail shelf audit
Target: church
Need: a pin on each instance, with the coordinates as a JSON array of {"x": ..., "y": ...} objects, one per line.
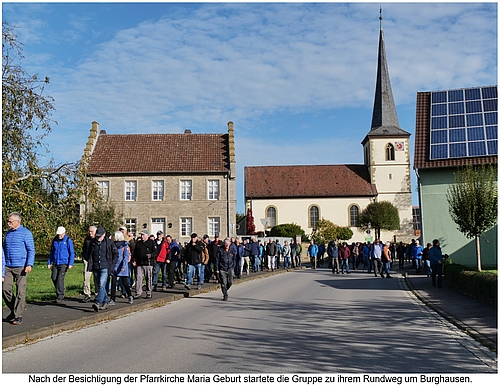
[{"x": 305, "y": 194}]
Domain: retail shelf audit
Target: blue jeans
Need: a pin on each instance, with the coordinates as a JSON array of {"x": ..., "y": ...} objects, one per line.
[
  {"x": 160, "y": 266},
  {"x": 200, "y": 268},
  {"x": 102, "y": 277},
  {"x": 344, "y": 263},
  {"x": 286, "y": 262},
  {"x": 256, "y": 263}
]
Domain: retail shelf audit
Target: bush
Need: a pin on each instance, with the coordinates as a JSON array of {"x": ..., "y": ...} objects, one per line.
[
  {"x": 290, "y": 230},
  {"x": 480, "y": 285}
]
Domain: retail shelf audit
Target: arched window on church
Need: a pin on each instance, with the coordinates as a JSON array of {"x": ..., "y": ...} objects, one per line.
[
  {"x": 354, "y": 216},
  {"x": 389, "y": 152},
  {"x": 271, "y": 217},
  {"x": 313, "y": 216}
]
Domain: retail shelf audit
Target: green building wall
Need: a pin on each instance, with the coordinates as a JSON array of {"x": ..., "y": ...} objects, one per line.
[{"x": 437, "y": 222}]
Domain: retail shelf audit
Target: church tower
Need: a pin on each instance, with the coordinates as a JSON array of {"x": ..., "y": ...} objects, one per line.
[{"x": 387, "y": 148}]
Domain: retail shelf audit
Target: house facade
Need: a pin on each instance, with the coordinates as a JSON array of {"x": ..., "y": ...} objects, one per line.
[
  {"x": 305, "y": 194},
  {"x": 176, "y": 183},
  {"x": 454, "y": 128}
]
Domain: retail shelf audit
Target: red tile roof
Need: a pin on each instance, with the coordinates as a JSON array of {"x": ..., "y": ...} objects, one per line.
[
  {"x": 160, "y": 153},
  {"x": 422, "y": 141},
  {"x": 308, "y": 181}
]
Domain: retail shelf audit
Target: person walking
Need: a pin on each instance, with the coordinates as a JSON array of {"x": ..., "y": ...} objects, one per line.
[
  {"x": 192, "y": 255},
  {"x": 436, "y": 259},
  {"x": 286, "y": 255},
  {"x": 144, "y": 259},
  {"x": 333, "y": 257},
  {"x": 61, "y": 259},
  {"x": 312, "y": 251},
  {"x": 376, "y": 256},
  {"x": 224, "y": 265},
  {"x": 344, "y": 253},
  {"x": 87, "y": 273},
  {"x": 103, "y": 256},
  {"x": 121, "y": 267},
  {"x": 386, "y": 261},
  {"x": 19, "y": 259},
  {"x": 271, "y": 250}
]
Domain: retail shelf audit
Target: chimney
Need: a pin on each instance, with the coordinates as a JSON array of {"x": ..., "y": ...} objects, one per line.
[
  {"x": 232, "y": 157},
  {"x": 92, "y": 140},
  {"x": 187, "y": 131}
]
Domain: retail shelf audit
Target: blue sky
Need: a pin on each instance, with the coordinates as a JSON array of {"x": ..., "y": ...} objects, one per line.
[{"x": 297, "y": 79}]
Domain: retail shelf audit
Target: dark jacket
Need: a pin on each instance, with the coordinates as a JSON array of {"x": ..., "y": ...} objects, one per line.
[
  {"x": 271, "y": 249},
  {"x": 192, "y": 253},
  {"x": 145, "y": 253},
  {"x": 225, "y": 260},
  {"x": 110, "y": 258}
]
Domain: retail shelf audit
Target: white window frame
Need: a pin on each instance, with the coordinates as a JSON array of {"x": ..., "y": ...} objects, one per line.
[
  {"x": 186, "y": 226},
  {"x": 213, "y": 189},
  {"x": 157, "y": 190},
  {"x": 103, "y": 187},
  {"x": 312, "y": 222},
  {"x": 213, "y": 225},
  {"x": 185, "y": 190},
  {"x": 271, "y": 219},
  {"x": 130, "y": 190},
  {"x": 131, "y": 225},
  {"x": 354, "y": 215}
]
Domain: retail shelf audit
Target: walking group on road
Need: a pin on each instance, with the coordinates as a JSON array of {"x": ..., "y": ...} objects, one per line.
[{"x": 119, "y": 263}]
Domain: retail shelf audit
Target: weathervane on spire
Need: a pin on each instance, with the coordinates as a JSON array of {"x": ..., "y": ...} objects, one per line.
[{"x": 380, "y": 17}]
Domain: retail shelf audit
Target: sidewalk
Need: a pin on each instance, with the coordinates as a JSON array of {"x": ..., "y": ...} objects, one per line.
[{"x": 479, "y": 320}]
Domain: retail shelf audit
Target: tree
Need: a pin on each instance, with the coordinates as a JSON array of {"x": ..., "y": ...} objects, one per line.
[
  {"x": 288, "y": 230},
  {"x": 325, "y": 231},
  {"x": 250, "y": 222},
  {"x": 46, "y": 196},
  {"x": 381, "y": 216},
  {"x": 473, "y": 202}
]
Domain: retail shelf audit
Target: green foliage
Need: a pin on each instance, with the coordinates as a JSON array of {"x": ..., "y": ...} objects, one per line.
[
  {"x": 46, "y": 196},
  {"x": 473, "y": 202},
  {"x": 289, "y": 230},
  {"x": 473, "y": 199},
  {"x": 381, "y": 215},
  {"x": 325, "y": 230}
]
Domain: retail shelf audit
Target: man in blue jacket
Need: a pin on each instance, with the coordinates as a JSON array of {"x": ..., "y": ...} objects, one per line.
[
  {"x": 61, "y": 259},
  {"x": 19, "y": 250}
]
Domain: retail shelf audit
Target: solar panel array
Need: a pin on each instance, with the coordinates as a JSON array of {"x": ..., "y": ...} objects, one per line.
[{"x": 464, "y": 123}]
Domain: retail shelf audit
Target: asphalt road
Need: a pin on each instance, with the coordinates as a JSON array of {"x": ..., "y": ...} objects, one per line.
[{"x": 306, "y": 321}]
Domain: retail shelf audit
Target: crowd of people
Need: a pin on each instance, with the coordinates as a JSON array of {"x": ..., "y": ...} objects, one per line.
[
  {"x": 121, "y": 264},
  {"x": 379, "y": 257}
]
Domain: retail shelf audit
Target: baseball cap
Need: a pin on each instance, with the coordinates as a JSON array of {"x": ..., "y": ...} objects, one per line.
[
  {"x": 60, "y": 230},
  {"x": 100, "y": 232}
]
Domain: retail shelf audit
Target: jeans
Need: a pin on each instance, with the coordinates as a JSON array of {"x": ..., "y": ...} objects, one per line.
[
  {"x": 286, "y": 262},
  {"x": 344, "y": 263},
  {"x": 386, "y": 266},
  {"x": 437, "y": 271},
  {"x": 428, "y": 267},
  {"x": 163, "y": 267},
  {"x": 256, "y": 263},
  {"x": 102, "y": 277},
  {"x": 200, "y": 268}
]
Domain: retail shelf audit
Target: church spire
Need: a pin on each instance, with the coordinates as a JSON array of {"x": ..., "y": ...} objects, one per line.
[{"x": 385, "y": 119}]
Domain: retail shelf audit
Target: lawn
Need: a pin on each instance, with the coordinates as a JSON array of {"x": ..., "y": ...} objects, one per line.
[{"x": 41, "y": 288}]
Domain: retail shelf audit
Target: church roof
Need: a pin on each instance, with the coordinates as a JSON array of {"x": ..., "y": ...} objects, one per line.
[
  {"x": 159, "y": 153},
  {"x": 385, "y": 118},
  {"x": 308, "y": 181}
]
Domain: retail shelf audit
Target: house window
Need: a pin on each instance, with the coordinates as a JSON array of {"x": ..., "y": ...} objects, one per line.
[
  {"x": 313, "y": 216},
  {"x": 354, "y": 216},
  {"x": 186, "y": 226},
  {"x": 131, "y": 225},
  {"x": 186, "y": 189},
  {"x": 271, "y": 217},
  {"x": 103, "y": 187},
  {"x": 389, "y": 152},
  {"x": 130, "y": 190},
  {"x": 213, "y": 226},
  {"x": 157, "y": 190},
  {"x": 213, "y": 189}
]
